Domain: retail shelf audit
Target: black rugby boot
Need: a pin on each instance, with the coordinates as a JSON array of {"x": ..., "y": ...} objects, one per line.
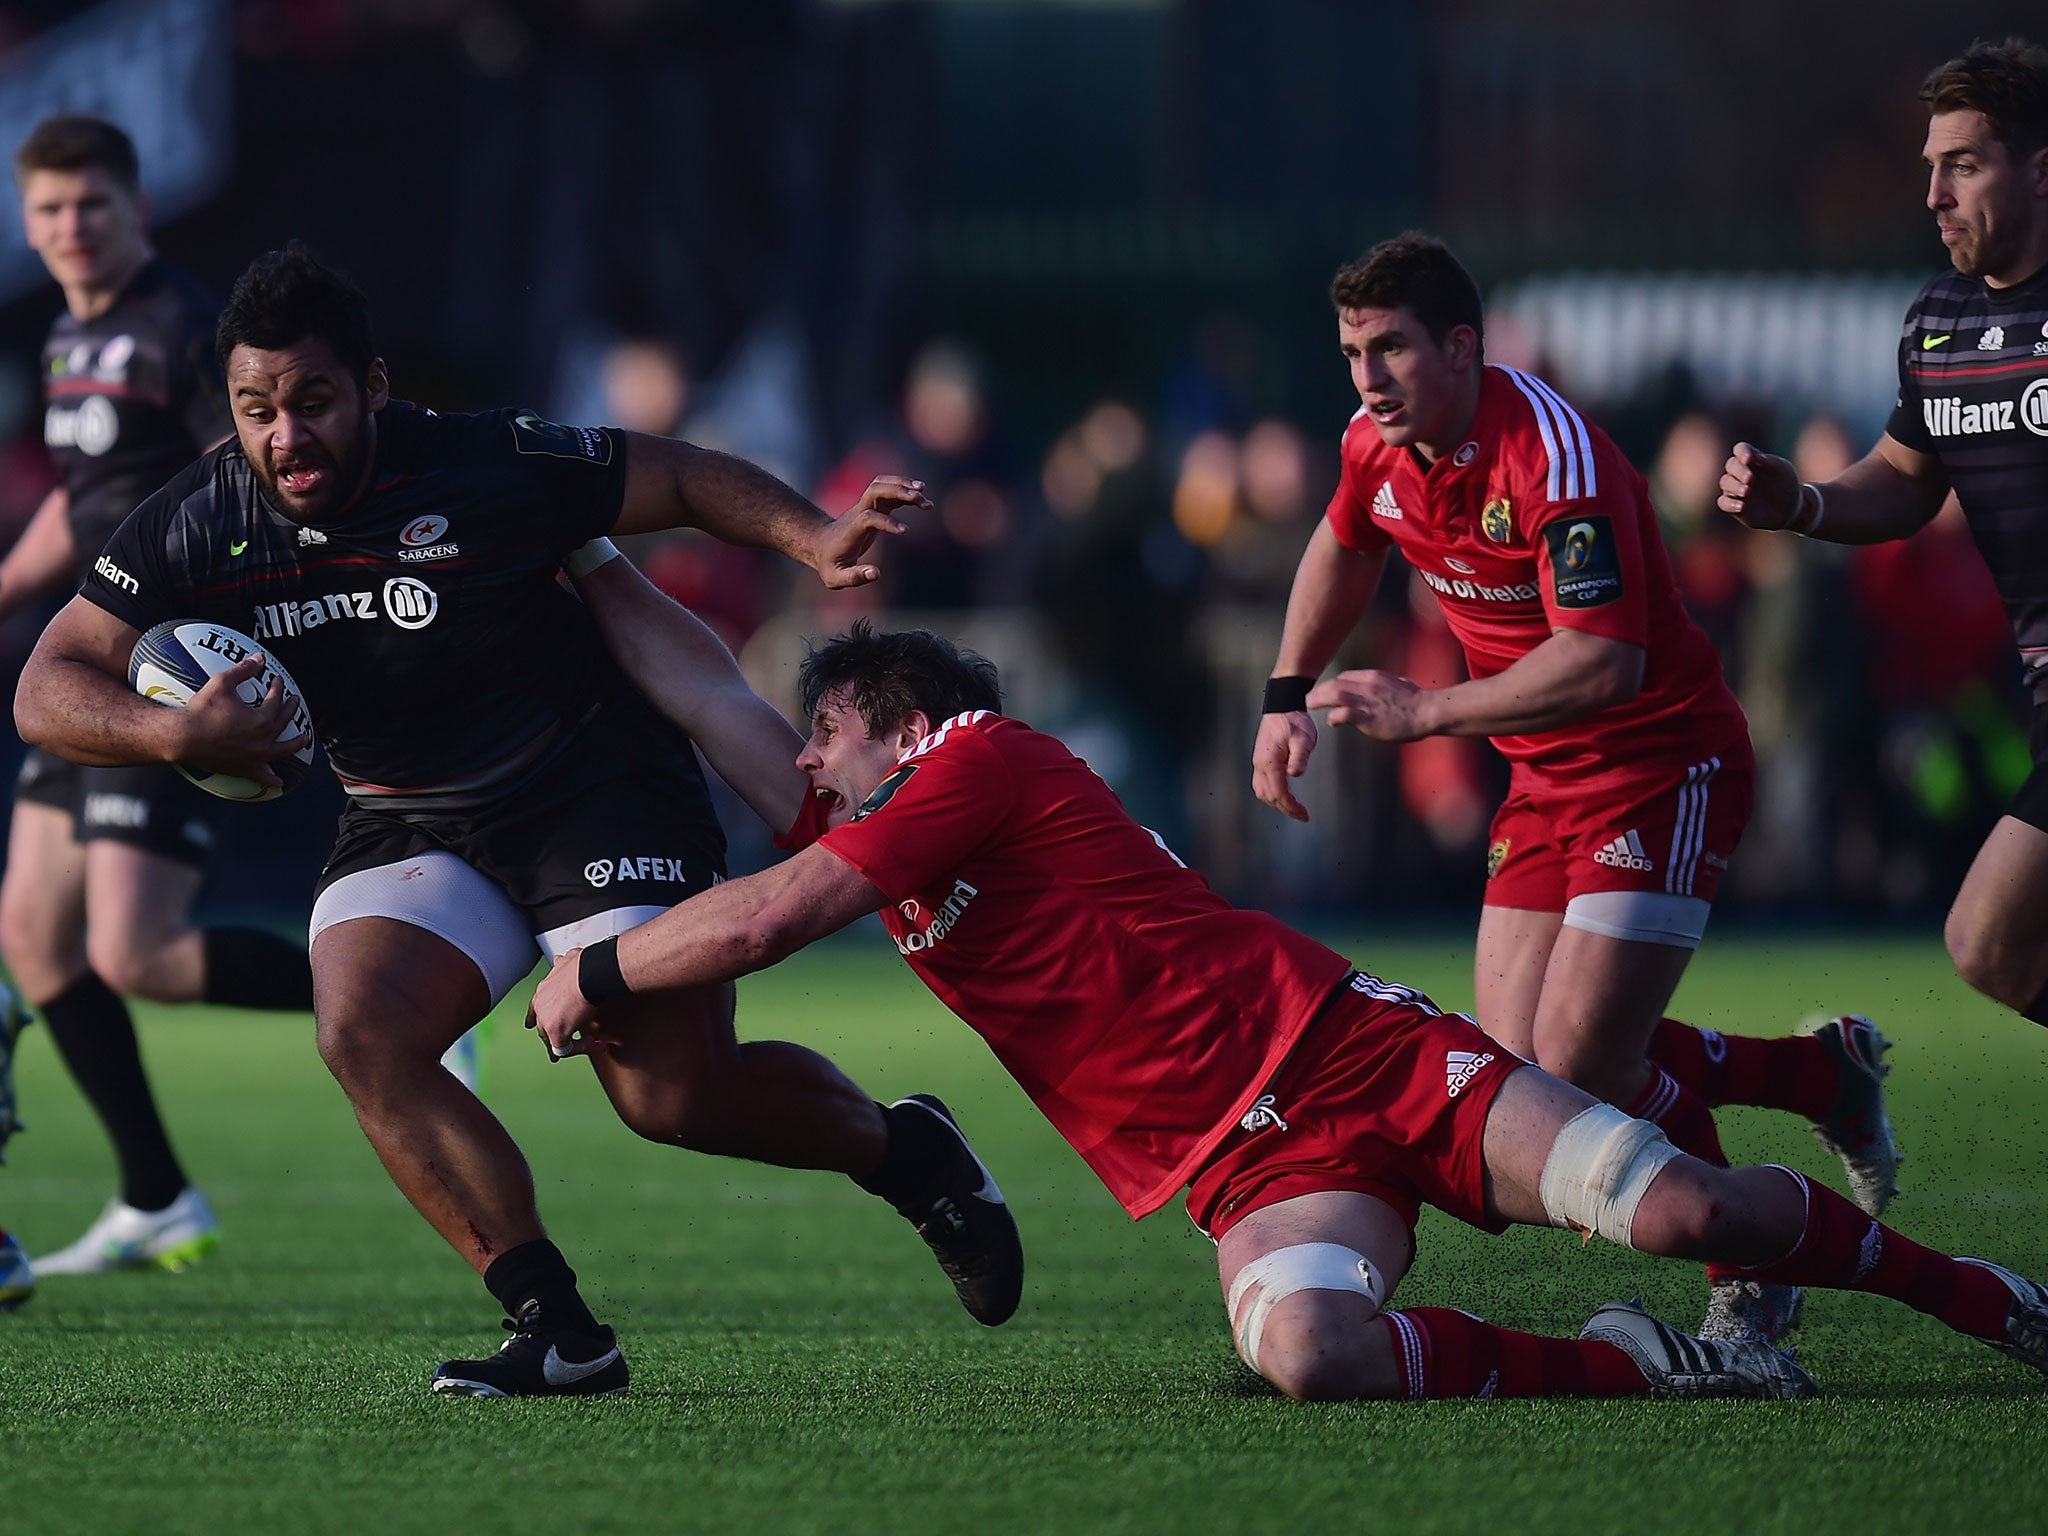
[
  {"x": 540, "y": 1361},
  {"x": 961, "y": 1215}
]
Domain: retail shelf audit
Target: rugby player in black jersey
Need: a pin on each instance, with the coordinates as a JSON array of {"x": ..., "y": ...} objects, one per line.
[
  {"x": 1972, "y": 418},
  {"x": 507, "y": 785},
  {"x": 103, "y": 864}
]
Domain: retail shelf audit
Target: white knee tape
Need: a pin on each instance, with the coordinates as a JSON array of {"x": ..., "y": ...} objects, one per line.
[
  {"x": 1303, "y": 1267},
  {"x": 1599, "y": 1169}
]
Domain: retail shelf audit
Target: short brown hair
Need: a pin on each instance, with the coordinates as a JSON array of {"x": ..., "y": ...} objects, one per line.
[
  {"x": 1416, "y": 272},
  {"x": 72, "y": 141},
  {"x": 2007, "y": 82}
]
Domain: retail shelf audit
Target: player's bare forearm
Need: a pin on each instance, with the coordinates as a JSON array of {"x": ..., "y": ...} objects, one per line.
[
  {"x": 1333, "y": 586},
  {"x": 747, "y": 924},
  {"x": 719, "y": 935},
  {"x": 41, "y": 560},
  {"x": 1892, "y": 492},
  {"x": 73, "y": 698},
  {"x": 685, "y": 670},
  {"x": 671, "y": 484},
  {"x": 1565, "y": 679}
]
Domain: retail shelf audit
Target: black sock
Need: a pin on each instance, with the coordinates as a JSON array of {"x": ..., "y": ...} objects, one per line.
[
  {"x": 916, "y": 1159},
  {"x": 97, "y": 1041},
  {"x": 536, "y": 1274},
  {"x": 247, "y": 968},
  {"x": 2037, "y": 1010}
]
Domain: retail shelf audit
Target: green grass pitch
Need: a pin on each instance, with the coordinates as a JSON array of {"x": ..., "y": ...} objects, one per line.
[{"x": 800, "y": 1365}]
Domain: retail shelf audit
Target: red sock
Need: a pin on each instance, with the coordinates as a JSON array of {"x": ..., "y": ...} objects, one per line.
[
  {"x": 1842, "y": 1249},
  {"x": 1791, "y": 1072},
  {"x": 1445, "y": 1353},
  {"x": 1682, "y": 1114}
]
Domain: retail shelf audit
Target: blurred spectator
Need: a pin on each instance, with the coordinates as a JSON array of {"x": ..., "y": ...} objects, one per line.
[
  {"x": 1118, "y": 587},
  {"x": 1706, "y": 556},
  {"x": 965, "y": 554},
  {"x": 646, "y": 388}
]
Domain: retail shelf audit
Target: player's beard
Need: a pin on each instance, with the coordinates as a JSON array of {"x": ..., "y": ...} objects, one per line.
[{"x": 341, "y": 476}]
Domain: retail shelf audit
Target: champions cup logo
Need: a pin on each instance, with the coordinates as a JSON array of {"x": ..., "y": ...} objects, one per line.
[
  {"x": 1578, "y": 547},
  {"x": 1494, "y": 521}
]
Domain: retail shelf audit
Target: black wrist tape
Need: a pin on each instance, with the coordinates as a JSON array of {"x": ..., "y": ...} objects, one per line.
[
  {"x": 1286, "y": 695},
  {"x": 598, "y": 976}
]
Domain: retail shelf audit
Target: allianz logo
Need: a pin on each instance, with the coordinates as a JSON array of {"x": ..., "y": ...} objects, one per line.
[
  {"x": 942, "y": 923},
  {"x": 1950, "y": 416},
  {"x": 92, "y": 426},
  {"x": 408, "y": 603}
]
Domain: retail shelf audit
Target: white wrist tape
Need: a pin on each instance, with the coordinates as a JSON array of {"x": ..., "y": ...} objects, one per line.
[
  {"x": 1303, "y": 1267},
  {"x": 588, "y": 557},
  {"x": 1600, "y": 1167},
  {"x": 1803, "y": 523}
]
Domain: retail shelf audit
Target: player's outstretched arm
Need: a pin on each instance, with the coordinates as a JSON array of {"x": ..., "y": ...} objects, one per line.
[
  {"x": 74, "y": 700},
  {"x": 1332, "y": 586},
  {"x": 685, "y": 670},
  {"x": 724, "y": 933},
  {"x": 671, "y": 484},
  {"x": 42, "y": 557},
  {"x": 1567, "y": 677},
  {"x": 1892, "y": 492}
]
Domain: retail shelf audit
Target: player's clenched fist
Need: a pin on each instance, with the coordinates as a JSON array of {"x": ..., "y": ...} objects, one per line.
[
  {"x": 1281, "y": 753},
  {"x": 1759, "y": 489}
]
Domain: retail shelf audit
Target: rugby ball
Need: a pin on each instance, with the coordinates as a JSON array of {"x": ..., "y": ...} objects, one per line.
[{"x": 173, "y": 661}]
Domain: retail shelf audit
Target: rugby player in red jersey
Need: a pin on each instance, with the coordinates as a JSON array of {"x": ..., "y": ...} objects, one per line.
[
  {"x": 1308, "y": 1109},
  {"x": 1972, "y": 418},
  {"x": 1632, "y": 775}
]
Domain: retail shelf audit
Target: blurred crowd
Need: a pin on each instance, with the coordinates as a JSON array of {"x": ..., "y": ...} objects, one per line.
[
  {"x": 1130, "y": 574},
  {"x": 1132, "y": 571}
]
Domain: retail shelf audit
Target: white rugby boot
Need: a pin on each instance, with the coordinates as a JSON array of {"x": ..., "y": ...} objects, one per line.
[
  {"x": 17, "y": 1279},
  {"x": 2026, "y": 1325},
  {"x": 1858, "y": 1131},
  {"x": 125, "y": 1238},
  {"x": 1679, "y": 1365}
]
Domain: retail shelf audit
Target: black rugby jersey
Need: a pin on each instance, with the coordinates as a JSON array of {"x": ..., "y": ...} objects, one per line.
[
  {"x": 439, "y": 657},
  {"x": 131, "y": 397},
  {"x": 1973, "y": 393}
]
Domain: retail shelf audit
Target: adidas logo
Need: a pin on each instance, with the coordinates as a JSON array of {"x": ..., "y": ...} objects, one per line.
[
  {"x": 1625, "y": 852},
  {"x": 1383, "y": 503},
  {"x": 1460, "y": 1067}
]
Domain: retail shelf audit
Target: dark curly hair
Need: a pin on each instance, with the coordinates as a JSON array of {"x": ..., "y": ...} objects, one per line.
[
  {"x": 1416, "y": 272},
  {"x": 289, "y": 296},
  {"x": 887, "y": 676}
]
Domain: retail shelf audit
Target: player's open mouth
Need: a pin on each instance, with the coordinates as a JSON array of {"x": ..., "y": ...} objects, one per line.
[
  {"x": 1385, "y": 410},
  {"x": 300, "y": 478}
]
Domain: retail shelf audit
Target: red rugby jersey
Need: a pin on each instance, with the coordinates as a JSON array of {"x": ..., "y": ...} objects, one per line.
[
  {"x": 1139, "y": 1010},
  {"x": 1537, "y": 522}
]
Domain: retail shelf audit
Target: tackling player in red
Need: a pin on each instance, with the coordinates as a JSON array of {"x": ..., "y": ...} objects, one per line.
[
  {"x": 1308, "y": 1108},
  {"x": 1632, "y": 774}
]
